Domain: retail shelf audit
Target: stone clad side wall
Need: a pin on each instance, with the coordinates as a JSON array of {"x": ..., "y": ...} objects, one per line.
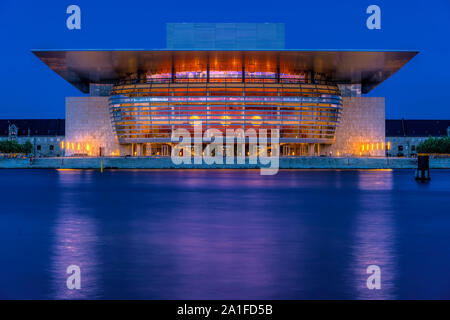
[
  {"x": 88, "y": 123},
  {"x": 362, "y": 123}
]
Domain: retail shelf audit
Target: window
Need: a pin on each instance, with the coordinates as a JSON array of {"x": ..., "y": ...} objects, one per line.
[
  {"x": 51, "y": 147},
  {"x": 38, "y": 148},
  {"x": 413, "y": 148},
  {"x": 400, "y": 148}
]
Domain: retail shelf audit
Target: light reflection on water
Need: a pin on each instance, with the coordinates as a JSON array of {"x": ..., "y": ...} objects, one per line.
[
  {"x": 201, "y": 234},
  {"x": 75, "y": 240},
  {"x": 374, "y": 235}
]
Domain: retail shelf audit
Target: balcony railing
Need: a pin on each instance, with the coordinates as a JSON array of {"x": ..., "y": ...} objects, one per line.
[{"x": 165, "y": 80}]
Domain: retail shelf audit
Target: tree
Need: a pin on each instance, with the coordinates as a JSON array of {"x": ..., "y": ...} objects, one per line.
[
  {"x": 434, "y": 145},
  {"x": 7, "y": 146},
  {"x": 27, "y": 147}
]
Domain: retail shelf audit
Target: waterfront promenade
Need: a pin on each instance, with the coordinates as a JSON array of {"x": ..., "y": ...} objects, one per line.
[{"x": 166, "y": 163}]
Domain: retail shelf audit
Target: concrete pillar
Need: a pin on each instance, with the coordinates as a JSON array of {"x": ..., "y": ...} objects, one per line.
[
  {"x": 139, "y": 149},
  {"x": 304, "y": 149},
  {"x": 135, "y": 152},
  {"x": 311, "y": 149}
]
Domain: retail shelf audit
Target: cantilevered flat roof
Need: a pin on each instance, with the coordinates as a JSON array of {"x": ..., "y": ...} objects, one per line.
[{"x": 81, "y": 67}]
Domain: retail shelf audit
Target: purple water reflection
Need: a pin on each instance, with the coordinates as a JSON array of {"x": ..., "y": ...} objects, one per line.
[
  {"x": 223, "y": 234},
  {"x": 375, "y": 236}
]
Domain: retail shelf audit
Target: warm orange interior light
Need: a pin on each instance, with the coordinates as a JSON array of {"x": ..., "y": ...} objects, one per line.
[
  {"x": 256, "y": 123},
  {"x": 62, "y": 144},
  {"x": 194, "y": 118},
  {"x": 225, "y": 118}
]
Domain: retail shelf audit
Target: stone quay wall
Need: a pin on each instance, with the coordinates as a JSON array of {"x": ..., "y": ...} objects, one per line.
[{"x": 166, "y": 163}]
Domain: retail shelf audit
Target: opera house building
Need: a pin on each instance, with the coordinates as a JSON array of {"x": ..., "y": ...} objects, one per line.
[{"x": 228, "y": 76}]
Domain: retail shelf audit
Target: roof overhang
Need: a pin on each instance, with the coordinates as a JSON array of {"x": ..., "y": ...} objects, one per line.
[{"x": 82, "y": 67}]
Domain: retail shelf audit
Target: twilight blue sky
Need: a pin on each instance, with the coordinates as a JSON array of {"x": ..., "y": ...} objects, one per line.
[{"x": 31, "y": 90}]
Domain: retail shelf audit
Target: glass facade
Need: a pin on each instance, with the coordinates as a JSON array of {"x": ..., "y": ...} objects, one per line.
[{"x": 303, "y": 109}]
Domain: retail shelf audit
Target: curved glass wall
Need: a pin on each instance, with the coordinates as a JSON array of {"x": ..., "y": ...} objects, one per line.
[{"x": 149, "y": 112}]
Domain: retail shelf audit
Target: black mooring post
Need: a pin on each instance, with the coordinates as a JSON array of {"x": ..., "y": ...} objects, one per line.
[{"x": 423, "y": 168}]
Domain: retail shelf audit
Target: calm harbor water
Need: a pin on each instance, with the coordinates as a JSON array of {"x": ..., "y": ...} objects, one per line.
[{"x": 223, "y": 234}]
